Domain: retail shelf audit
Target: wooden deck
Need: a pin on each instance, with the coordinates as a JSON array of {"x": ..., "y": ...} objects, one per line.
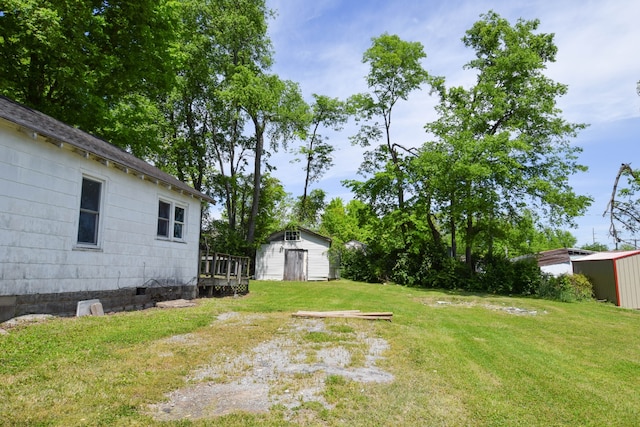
[{"x": 223, "y": 275}]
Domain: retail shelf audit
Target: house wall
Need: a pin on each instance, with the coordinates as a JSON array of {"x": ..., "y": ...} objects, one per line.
[
  {"x": 40, "y": 185},
  {"x": 602, "y": 276},
  {"x": 628, "y": 270},
  {"x": 270, "y": 258},
  {"x": 557, "y": 269}
]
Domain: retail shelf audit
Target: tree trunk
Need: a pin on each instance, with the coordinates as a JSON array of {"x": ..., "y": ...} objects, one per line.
[
  {"x": 257, "y": 177},
  {"x": 469, "y": 241}
]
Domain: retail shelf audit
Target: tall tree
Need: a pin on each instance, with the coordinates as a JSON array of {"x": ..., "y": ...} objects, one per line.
[
  {"x": 502, "y": 144},
  {"x": 91, "y": 63},
  {"x": 206, "y": 141},
  {"x": 317, "y": 152},
  {"x": 395, "y": 72},
  {"x": 276, "y": 109}
]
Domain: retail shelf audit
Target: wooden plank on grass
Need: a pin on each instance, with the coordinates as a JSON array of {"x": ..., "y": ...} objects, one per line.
[
  {"x": 350, "y": 314},
  {"x": 326, "y": 313}
]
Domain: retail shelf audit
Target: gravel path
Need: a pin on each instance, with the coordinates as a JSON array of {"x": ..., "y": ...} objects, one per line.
[{"x": 286, "y": 371}]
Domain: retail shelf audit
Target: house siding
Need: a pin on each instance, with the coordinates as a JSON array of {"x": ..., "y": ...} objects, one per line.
[{"x": 39, "y": 211}]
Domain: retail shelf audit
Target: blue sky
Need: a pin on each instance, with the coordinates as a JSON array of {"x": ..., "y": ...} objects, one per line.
[{"x": 320, "y": 44}]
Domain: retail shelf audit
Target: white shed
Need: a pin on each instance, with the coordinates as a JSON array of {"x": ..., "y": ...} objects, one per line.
[
  {"x": 615, "y": 276},
  {"x": 299, "y": 254},
  {"x": 82, "y": 219}
]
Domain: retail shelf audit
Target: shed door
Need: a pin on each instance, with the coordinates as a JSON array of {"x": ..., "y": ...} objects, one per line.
[{"x": 295, "y": 264}]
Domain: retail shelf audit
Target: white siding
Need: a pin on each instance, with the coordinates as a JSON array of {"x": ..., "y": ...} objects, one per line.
[
  {"x": 40, "y": 187},
  {"x": 270, "y": 261},
  {"x": 270, "y": 258}
]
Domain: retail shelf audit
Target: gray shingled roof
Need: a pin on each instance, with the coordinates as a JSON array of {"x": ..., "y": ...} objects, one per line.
[{"x": 42, "y": 124}]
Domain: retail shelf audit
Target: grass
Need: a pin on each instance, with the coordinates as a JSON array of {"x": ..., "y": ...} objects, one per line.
[{"x": 462, "y": 363}]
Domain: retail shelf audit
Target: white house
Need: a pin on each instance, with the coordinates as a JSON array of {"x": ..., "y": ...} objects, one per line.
[
  {"x": 82, "y": 219},
  {"x": 298, "y": 254}
]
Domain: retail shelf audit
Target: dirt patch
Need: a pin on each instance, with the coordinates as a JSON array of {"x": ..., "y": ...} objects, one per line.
[
  {"x": 288, "y": 370},
  {"x": 24, "y": 320},
  {"x": 509, "y": 309}
]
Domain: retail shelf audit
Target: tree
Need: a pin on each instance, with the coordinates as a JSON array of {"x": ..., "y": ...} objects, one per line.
[
  {"x": 395, "y": 71},
  {"x": 352, "y": 221},
  {"x": 595, "y": 246},
  {"x": 274, "y": 214},
  {"x": 308, "y": 210},
  {"x": 502, "y": 147},
  {"x": 99, "y": 65},
  {"x": 272, "y": 105},
  {"x": 317, "y": 152},
  {"x": 624, "y": 206},
  {"x": 525, "y": 238}
]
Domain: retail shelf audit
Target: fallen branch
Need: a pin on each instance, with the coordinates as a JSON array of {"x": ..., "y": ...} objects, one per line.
[{"x": 350, "y": 314}]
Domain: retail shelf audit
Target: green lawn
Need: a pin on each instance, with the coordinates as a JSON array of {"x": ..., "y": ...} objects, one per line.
[{"x": 457, "y": 359}]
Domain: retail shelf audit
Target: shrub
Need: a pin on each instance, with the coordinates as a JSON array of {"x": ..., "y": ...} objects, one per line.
[
  {"x": 566, "y": 287},
  {"x": 451, "y": 274},
  {"x": 503, "y": 276},
  {"x": 579, "y": 287}
]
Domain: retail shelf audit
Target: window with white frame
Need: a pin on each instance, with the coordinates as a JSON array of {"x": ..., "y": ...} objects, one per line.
[
  {"x": 292, "y": 235},
  {"x": 171, "y": 220},
  {"x": 89, "y": 219}
]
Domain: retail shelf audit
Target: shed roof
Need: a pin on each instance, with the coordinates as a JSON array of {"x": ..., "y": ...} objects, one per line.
[
  {"x": 62, "y": 133},
  {"x": 601, "y": 256}
]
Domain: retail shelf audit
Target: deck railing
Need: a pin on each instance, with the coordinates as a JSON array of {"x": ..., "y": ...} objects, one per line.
[{"x": 224, "y": 266}]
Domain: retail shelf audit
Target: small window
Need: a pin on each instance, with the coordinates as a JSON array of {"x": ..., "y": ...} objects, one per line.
[
  {"x": 164, "y": 218},
  {"x": 171, "y": 221},
  {"x": 291, "y": 235},
  {"x": 89, "y": 212}
]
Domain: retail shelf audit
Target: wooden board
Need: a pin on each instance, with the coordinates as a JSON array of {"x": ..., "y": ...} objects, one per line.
[{"x": 351, "y": 314}]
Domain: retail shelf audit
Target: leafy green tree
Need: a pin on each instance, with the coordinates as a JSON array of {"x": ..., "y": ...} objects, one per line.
[
  {"x": 395, "y": 72},
  {"x": 99, "y": 65},
  {"x": 525, "y": 236},
  {"x": 308, "y": 211},
  {"x": 595, "y": 246},
  {"x": 352, "y": 221},
  {"x": 274, "y": 214},
  {"x": 502, "y": 145},
  {"x": 275, "y": 107},
  {"x": 206, "y": 142},
  {"x": 317, "y": 152}
]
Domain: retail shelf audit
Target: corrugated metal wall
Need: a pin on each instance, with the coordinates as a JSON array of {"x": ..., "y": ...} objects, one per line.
[{"x": 628, "y": 270}]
